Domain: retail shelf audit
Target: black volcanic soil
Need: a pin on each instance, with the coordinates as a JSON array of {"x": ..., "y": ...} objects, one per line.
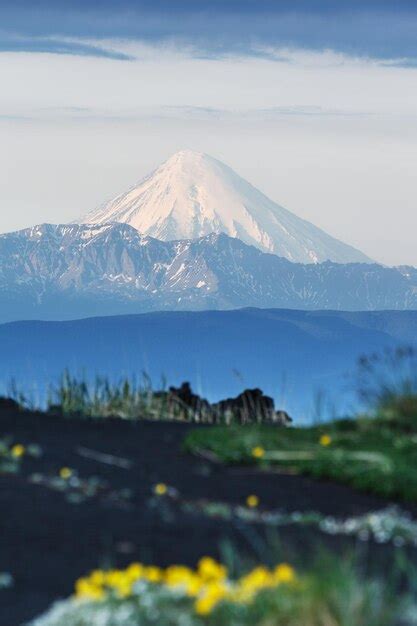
[{"x": 47, "y": 542}]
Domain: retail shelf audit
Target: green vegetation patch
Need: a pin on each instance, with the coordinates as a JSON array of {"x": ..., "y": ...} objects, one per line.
[{"x": 369, "y": 454}]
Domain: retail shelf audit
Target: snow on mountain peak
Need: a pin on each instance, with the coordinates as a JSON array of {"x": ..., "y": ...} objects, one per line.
[{"x": 193, "y": 194}]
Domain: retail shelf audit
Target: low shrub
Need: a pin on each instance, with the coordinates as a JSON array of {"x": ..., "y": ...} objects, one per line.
[
  {"x": 128, "y": 399},
  {"x": 387, "y": 385},
  {"x": 334, "y": 594}
]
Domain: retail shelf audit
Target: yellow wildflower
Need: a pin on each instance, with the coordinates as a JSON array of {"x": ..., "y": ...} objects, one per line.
[
  {"x": 258, "y": 452},
  {"x": 124, "y": 588},
  {"x": 65, "y": 473},
  {"x": 153, "y": 574},
  {"x": 114, "y": 578},
  {"x": 208, "y": 584},
  {"x": 85, "y": 589},
  {"x": 160, "y": 489},
  {"x": 252, "y": 501},
  {"x": 204, "y": 605},
  {"x": 177, "y": 575},
  {"x": 258, "y": 578},
  {"x": 183, "y": 577},
  {"x": 18, "y": 450},
  {"x": 284, "y": 573},
  {"x": 97, "y": 577},
  {"x": 194, "y": 586},
  {"x": 135, "y": 571},
  {"x": 209, "y": 569},
  {"x": 214, "y": 593},
  {"x": 325, "y": 440}
]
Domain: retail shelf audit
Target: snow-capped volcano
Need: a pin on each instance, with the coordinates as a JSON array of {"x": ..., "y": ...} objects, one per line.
[{"x": 193, "y": 194}]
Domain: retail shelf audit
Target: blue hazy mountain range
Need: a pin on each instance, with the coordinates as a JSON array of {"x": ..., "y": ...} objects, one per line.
[
  {"x": 57, "y": 272},
  {"x": 292, "y": 355}
]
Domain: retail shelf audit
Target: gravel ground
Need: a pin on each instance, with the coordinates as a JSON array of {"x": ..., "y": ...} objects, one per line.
[{"x": 46, "y": 542}]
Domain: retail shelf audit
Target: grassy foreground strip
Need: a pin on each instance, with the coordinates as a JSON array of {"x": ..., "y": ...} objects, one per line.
[
  {"x": 147, "y": 595},
  {"x": 371, "y": 454}
]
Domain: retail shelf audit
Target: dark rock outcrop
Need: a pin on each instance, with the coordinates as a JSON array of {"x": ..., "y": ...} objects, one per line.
[
  {"x": 8, "y": 404},
  {"x": 249, "y": 407},
  {"x": 181, "y": 400}
]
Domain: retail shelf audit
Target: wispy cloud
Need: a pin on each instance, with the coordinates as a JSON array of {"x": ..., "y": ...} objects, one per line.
[
  {"x": 181, "y": 113},
  {"x": 58, "y": 45},
  {"x": 168, "y": 81}
]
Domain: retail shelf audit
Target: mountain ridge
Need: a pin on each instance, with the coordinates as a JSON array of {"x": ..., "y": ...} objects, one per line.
[{"x": 68, "y": 271}]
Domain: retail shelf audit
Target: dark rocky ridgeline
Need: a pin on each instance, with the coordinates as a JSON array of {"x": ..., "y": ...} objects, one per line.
[{"x": 251, "y": 406}]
